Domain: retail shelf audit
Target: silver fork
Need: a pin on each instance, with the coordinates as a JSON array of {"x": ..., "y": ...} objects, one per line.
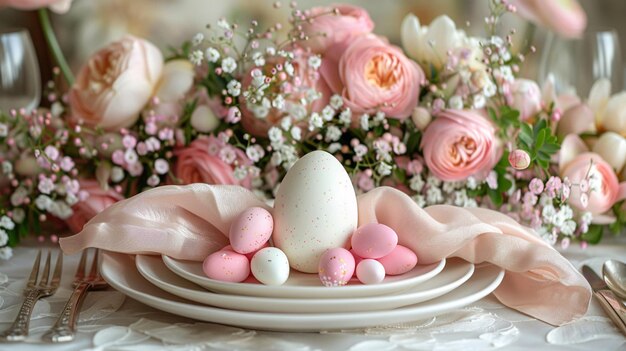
[
  {"x": 34, "y": 291},
  {"x": 64, "y": 329}
]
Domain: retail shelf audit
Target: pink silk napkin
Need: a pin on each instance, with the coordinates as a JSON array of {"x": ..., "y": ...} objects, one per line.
[{"x": 189, "y": 222}]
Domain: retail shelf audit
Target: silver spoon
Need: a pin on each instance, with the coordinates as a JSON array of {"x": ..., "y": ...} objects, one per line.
[{"x": 614, "y": 274}]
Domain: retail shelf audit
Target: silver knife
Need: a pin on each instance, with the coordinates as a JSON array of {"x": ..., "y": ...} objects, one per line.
[{"x": 609, "y": 302}]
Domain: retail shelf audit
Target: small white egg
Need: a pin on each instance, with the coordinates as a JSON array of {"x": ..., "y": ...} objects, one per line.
[
  {"x": 370, "y": 271},
  {"x": 270, "y": 266}
]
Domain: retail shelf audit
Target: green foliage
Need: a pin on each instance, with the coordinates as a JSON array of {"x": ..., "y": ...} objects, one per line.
[
  {"x": 593, "y": 235},
  {"x": 539, "y": 142}
]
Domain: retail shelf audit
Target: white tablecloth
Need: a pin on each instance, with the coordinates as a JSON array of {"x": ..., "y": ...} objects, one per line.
[{"x": 110, "y": 321}]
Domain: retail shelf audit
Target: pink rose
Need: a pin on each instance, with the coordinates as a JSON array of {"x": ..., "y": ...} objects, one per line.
[
  {"x": 373, "y": 75},
  {"x": 210, "y": 160},
  {"x": 459, "y": 144},
  {"x": 292, "y": 89},
  {"x": 327, "y": 29},
  {"x": 565, "y": 17},
  {"x": 117, "y": 82},
  {"x": 98, "y": 200},
  {"x": 526, "y": 98},
  {"x": 578, "y": 165},
  {"x": 58, "y": 6}
]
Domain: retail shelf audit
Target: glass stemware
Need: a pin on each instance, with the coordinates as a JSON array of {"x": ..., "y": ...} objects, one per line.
[
  {"x": 575, "y": 64},
  {"x": 20, "y": 85}
]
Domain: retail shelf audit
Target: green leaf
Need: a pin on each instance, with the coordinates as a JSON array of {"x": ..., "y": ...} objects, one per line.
[
  {"x": 413, "y": 143},
  {"x": 495, "y": 196},
  {"x": 593, "y": 235},
  {"x": 541, "y": 138}
]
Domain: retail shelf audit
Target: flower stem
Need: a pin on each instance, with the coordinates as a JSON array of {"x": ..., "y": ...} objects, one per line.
[{"x": 53, "y": 44}]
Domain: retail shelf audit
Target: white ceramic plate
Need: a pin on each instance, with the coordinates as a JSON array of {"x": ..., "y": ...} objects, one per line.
[
  {"x": 302, "y": 285},
  {"x": 119, "y": 270},
  {"x": 454, "y": 274}
]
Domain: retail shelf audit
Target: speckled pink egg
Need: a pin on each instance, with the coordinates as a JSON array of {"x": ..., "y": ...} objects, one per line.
[
  {"x": 374, "y": 240},
  {"x": 336, "y": 267},
  {"x": 357, "y": 258},
  {"x": 251, "y": 230},
  {"x": 399, "y": 261},
  {"x": 249, "y": 255},
  {"x": 227, "y": 266},
  {"x": 370, "y": 271}
]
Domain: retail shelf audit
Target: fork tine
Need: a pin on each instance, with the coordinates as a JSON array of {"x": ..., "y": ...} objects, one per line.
[
  {"x": 80, "y": 271},
  {"x": 46, "y": 271},
  {"x": 35, "y": 271},
  {"x": 94, "y": 266},
  {"x": 58, "y": 267}
]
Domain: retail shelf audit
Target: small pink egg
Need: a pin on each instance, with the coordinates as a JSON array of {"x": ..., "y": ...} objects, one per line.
[
  {"x": 399, "y": 261},
  {"x": 370, "y": 271},
  {"x": 336, "y": 267},
  {"x": 228, "y": 266},
  {"x": 250, "y": 230},
  {"x": 357, "y": 258},
  {"x": 374, "y": 240}
]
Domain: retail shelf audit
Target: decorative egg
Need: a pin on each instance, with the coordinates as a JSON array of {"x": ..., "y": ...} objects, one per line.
[
  {"x": 249, "y": 255},
  {"x": 370, "y": 271},
  {"x": 270, "y": 266},
  {"x": 336, "y": 267},
  {"x": 315, "y": 210},
  {"x": 357, "y": 258},
  {"x": 374, "y": 240},
  {"x": 228, "y": 266},
  {"x": 250, "y": 230},
  {"x": 399, "y": 261}
]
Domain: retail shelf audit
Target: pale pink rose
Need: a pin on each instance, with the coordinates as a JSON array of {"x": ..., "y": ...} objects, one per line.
[
  {"x": 526, "y": 98},
  {"x": 374, "y": 75},
  {"x": 293, "y": 89},
  {"x": 576, "y": 120},
  {"x": 327, "y": 29},
  {"x": 566, "y": 17},
  {"x": 98, "y": 200},
  {"x": 58, "y": 6},
  {"x": 204, "y": 161},
  {"x": 114, "y": 86},
  {"x": 459, "y": 144}
]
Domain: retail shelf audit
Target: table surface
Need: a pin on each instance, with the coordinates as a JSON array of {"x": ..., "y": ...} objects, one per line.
[{"x": 111, "y": 321}]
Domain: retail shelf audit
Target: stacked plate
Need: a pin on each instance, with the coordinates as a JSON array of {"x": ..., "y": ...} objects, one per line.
[{"x": 302, "y": 303}]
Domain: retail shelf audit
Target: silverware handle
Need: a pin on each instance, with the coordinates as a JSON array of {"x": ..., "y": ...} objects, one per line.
[
  {"x": 19, "y": 329},
  {"x": 65, "y": 327},
  {"x": 613, "y": 307}
]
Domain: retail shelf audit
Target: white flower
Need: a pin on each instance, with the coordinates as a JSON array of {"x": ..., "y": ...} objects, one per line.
[
  {"x": 296, "y": 133},
  {"x": 161, "y": 166},
  {"x": 223, "y": 23},
  {"x": 46, "y": 185},
  {"x": 315, "y": 121},
  {"x": 332, "y": 134},
  {"x": 479, "y": 101},
  {"x": 345, "y": 117},
  {"x": 334, "y": 147},
  {"x": 586, "y": 217},
  {"x": 18, "y": 215},
  {"x": 229, "y": 65},
  {"x": 275, "y": 135},
  {"x": 558, "y": 219},
  {"x": 360, "y": 150},
  {"x": 18, "y": 196},
  {"x": 289, "y": 68},
  {"x": 612, "y": 148},
  {"x": 234, "y": 88},
  {"x": 434, "y": 196},
  {"x": 240, "y": 173},
  {"x": 71, "y": 199},
  {"x": 258, "y": 58},
  {"x": 255, "y": 153},
  {"x": 312, "y": 95},
  {"x": 228, "y": 155},
  {"x": 7, "y": 167},
  {"x": 197, "y": 39},
  {"x": 7, "y": 223},
  {"x": 365, "y": 124},
  {"x": 456, "y": 102},
  {"x": 285, "y": 123},
  {"x": 384, "y": 169},
  {"x": 379, "y": 116},
  {"x": 130, "y": 156},
  {"x": 315, "y": 61},
  {"x": 60, "y": 209},
  {"x": 460, "y": 198},
  {"x": 419, "y": 199},
  {"x": 196, "y": 57},
  {"x": 276, "y": 159},
  {"x": 328, "y": 113},
  {"x": 270, "y": 50},
  {"x": 490, "y": 89},
  {"x": 548, "y": 213},
  {"x": 279, "y": 103},
  {"x": 298, "y": 111},
  {"x": 433, "y": 181},
  {"x": 416, "y": 183},
  {"x": 471, "y": 183},
  {"x": 6, "y": 253},
  {"x": 117, "y": 174},
  {"x": 4, "y": 130},
  {"x": 336, "y": 101},
  {"x": 568, "y": 227},
  {"x": 212, "y": 55}
]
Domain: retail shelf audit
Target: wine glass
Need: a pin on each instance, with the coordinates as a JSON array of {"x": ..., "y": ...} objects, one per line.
[
  {"x": 575, "y": 64},
  {"x": 20, "y": 85}
]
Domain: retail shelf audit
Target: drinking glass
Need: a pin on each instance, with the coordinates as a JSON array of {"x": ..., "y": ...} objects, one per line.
[
  {"x": 575, "y": 64},
  {"x": 20, "y": 85}
]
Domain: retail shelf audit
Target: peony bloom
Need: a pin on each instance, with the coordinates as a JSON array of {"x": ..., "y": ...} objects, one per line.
[
  {"x": 58, "y": 6},
  {"x": 98, "y": 200},
  {"x": 374, "y": 75},
  {"x": 578, "y": 164},
  {"x": 612, "y": 147},
  {"x": 526, "y": 98},
  {"x": 459, "y": 144},
  {"x": 117, "y": 82},
  {"x": 258, "y": 119},
  {"x": 210, "y": 160},
  {"x": 327, "y": 30},
  {"x": 566, "y": 17}
]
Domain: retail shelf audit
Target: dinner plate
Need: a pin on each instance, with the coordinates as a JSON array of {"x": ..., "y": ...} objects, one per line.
[
  {"x": 455, "y": 273},
  {"x": 303, "y": 285},
  {"x": 120, "y": 272}
]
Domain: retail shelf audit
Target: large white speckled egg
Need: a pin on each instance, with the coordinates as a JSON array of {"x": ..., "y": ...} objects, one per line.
[{"x": 315, "y": 210}]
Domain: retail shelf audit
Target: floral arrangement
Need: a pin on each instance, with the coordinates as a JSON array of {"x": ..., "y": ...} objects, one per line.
[{"x": 444, "y": 118}]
